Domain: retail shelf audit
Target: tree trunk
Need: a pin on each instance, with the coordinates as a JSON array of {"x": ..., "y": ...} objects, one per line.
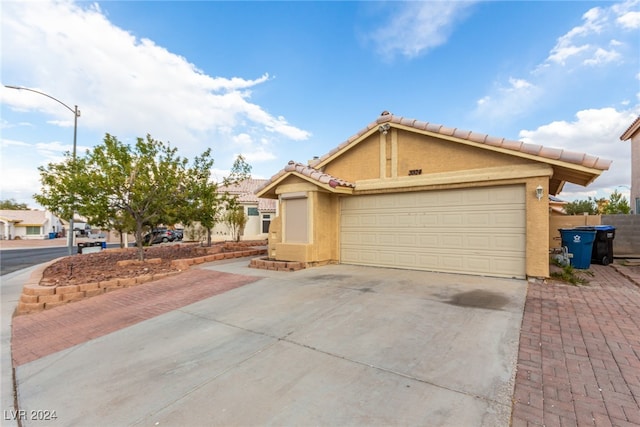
[{"x": 139, "y": 241}]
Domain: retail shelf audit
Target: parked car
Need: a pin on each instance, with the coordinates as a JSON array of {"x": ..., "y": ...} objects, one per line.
[
  {"x": 179, "y": 234},
  {"x": 159, "y": 235}
]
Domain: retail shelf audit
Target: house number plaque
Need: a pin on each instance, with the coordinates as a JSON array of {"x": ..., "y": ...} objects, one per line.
[{"x": 415, "y": 172}]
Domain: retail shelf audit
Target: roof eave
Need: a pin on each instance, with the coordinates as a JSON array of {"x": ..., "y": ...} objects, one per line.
[
  {"x": 631, "y": 130},
  {"x": 268, "y": 192},
  {"x": 554, "y": 162}
]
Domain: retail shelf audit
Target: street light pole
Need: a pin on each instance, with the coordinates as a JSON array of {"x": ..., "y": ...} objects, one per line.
[{"x": 76, "y": 114}]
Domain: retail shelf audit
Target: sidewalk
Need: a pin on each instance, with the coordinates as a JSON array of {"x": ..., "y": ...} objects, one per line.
[
  {"x": 26, "y": 244},
  {"x": 579, "y": 357}
]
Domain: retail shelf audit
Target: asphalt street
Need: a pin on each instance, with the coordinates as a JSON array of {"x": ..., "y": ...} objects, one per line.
[{"x": 17, "y": 259}]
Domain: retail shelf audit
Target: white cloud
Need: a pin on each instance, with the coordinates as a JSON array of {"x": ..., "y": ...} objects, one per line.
[
  {"x": 507, "y": 100},
  {"x": 4, "y": 143},
  {"x": 579, "y": 54},
  {"x": 595, "y": 132},
  {"x": 630, "y": 20},
  {"x": 584, "y": 41},
  {"x": 124, "y": 85},
  {"x": 413, "y": 28},
  {"x": 19, "y": 189},
  {"x": 258, "y": 155},
  {"x": 602, "y": 56}
]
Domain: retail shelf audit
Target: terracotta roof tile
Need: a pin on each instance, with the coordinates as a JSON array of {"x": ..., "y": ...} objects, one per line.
[
  {"x": 631, "y": 130},
  {"x": 512, "y": 145},
  {"x": 478, "y": 137},
  {"x": 309, "y": 172},
  {"x": 518, "y": 146},
  {"x": 551, "y": 153},
  {"x": 246, "y": 189},
  {"x": 534, "y": 149}
]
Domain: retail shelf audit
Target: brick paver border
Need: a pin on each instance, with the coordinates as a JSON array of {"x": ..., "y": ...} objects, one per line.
[
  {"x": 579, "y": 355},
  {"x": 40, "y": 334}
]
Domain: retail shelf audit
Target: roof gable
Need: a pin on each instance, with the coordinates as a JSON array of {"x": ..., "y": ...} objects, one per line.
[
  {"x": 564, "y": 165},
  {"x": 517, "y": 148},
  {"x": 308, "y": 174}
]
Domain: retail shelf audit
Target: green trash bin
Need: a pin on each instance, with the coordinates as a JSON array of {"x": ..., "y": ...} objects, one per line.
[{"x": 579, "y": 243}]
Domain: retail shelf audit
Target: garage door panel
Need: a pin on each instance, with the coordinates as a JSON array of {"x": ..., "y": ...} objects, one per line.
[{"x": 477, "y": 231}]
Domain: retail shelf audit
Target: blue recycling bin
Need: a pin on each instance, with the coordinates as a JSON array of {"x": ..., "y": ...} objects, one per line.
[{"x": 580, "y": 244}]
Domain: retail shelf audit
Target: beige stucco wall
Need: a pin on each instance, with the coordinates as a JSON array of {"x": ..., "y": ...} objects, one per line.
[
  {"x": 433, "y": 155},
  {"x": 392, "y": 156},
  {"x": 568, "y": 221}
]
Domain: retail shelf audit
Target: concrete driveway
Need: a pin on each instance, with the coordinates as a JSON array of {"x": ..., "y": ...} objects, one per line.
[{"x": 334, "y": 345}]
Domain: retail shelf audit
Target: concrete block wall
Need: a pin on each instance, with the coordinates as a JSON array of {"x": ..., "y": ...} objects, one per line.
[{"x": 627, "y": 239}]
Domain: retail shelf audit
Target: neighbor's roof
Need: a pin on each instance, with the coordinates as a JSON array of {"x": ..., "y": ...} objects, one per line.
[
  {"x": 23, "y": 217},
  {"x": 631, "y": 130},
  {"x": 245, "y": 190}
]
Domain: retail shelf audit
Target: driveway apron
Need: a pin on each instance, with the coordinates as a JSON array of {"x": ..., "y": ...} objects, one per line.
[{"x": 334, "y": 345}]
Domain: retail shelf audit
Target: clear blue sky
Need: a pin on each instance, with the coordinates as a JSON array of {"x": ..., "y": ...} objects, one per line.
[{"x": 280, "y": 81}]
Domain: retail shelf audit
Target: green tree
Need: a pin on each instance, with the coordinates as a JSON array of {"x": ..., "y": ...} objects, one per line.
[
  {"x": 206, "y": 203},
  {"x": 579, "y": 207},
  {"x": 11, "y": 204},
  {"x": 235, "y": 218},
  {"x": 617, "y": 204},
  {"x": 202, "y": 200},
  {"x": 121, "y": 186},
  {"x": 62, "y": 186}
]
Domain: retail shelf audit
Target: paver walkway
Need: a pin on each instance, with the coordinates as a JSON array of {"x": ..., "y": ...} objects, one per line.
[
  {"x": 40, "y": 334},
  {"x": 579, "y": 357}
]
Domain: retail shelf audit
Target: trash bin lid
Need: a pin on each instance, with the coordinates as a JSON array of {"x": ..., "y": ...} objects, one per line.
[{"x": 597, "y": 227}]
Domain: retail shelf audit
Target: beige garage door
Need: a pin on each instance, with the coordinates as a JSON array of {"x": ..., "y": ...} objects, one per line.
[{"x": 475, "y": 231}]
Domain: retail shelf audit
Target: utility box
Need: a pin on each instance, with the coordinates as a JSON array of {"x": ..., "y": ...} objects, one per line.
[{"x": 89, "y": 247}]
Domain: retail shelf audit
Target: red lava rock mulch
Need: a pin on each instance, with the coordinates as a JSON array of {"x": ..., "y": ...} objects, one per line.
[{"x": 121, "y": 263}]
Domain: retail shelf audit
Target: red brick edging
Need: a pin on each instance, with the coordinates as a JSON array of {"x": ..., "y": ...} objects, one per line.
[{"x": 35, "y": 298}]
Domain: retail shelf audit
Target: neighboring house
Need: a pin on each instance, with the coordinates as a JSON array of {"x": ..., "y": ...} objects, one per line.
[
  {"x": 633, "y": 133},
  {"x": 259, "y": 212},
  {"x": 408, "y": 194},
  {"x": 28, "y": 224},
  {"x": 556, "y": 206}
]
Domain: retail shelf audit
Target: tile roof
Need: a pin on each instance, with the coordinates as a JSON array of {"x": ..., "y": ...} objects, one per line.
[
  {"x": 310, "y": 172},
  {"x": 631, "y": 130},
  {"x": 516, "y": 146},
  {"x": 24, "y": 217},
  {"x": 246, "y": 189}
]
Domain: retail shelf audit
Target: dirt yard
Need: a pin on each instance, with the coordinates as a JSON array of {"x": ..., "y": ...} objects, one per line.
[{"x": 101, "y": 266}]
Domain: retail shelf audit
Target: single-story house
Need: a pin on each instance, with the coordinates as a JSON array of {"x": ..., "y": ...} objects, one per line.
[
  {"x": 28, "y": 224},
  {"x": 556, "y": 206},
  {"x": 633, "y": 133},
  {"x": 258, "y": 211},
  {"x": 404, "y": 193}
]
